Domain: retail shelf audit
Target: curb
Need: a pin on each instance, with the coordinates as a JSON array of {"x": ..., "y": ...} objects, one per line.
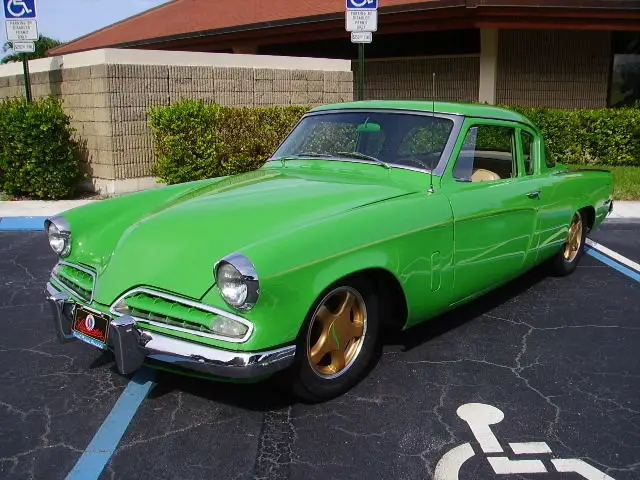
[{"x": 16, "y": 224}]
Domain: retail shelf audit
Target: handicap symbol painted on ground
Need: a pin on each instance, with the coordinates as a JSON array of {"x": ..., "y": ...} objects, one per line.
[
  {"x": 480, "y": 417},
  {"x": 20, "y": 9}
]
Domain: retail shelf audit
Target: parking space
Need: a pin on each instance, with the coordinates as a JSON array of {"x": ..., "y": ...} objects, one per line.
[{"x": 552, "y": 361}]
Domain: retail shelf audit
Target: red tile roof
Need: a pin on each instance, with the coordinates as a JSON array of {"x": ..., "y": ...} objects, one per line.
[
  {"x": 187, "y": 16},
  {"x": 191, "y": 17}
]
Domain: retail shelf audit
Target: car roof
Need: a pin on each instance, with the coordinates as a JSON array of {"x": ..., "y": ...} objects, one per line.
[{"x": 455, "y": 108}]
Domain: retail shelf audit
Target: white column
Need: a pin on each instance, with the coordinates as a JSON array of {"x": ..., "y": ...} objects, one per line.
[{"x": 488, "y": 65}]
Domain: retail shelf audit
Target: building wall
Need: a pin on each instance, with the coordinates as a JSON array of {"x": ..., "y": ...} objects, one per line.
[
  {"x": 106, "y": 96},
  {"x": 457, "y": 78},
  {"x": 554, "y": 68}
]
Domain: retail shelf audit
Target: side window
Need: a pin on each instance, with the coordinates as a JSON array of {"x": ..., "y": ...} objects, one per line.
[
  {"x": 527, "y": 152},
  {"x": 487, "y": 154}
]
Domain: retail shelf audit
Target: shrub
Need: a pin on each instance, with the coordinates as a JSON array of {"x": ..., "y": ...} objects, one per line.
[
  {"x": 195, "y": 140},
  {"x": 37, "y": 153},
  {"x": 597, "y": 137}
]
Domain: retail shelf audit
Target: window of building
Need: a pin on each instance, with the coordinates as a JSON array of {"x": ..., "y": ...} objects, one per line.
[
  {"x": 487, "y": 154},
  {"x": 625, "y": 75}
]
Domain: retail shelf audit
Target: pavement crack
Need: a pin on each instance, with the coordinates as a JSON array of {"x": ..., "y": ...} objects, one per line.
[{"x": 275, "y": 446}]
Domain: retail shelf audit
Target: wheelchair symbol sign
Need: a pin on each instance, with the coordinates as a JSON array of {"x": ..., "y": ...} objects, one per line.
[
  {"x": 18, "y": 9},
  {"x": 362, "y": 4}
]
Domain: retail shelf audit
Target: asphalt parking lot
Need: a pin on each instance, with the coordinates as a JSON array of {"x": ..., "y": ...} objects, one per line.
[{"x": 557, "y": 356}]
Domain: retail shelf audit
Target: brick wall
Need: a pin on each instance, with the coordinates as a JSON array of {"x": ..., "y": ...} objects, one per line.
[
  {"x": 554, "y": 68},
  {"x": 107, "y": 103},
  {"x": 457, "y": 78}
]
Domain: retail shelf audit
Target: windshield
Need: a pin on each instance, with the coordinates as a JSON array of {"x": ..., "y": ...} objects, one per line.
[{"x": 387, "y": 138}]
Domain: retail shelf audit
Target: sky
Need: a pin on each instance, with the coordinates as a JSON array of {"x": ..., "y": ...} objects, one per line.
[{"x": 66, "y": 20}]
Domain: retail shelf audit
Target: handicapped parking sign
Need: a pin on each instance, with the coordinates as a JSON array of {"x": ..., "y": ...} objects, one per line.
[
  {"x": 362, "y": 4},
  {"x": 19, "y": 9}
]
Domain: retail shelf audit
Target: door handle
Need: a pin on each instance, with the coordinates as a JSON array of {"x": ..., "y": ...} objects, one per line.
[{"x": 534, "y": 194}]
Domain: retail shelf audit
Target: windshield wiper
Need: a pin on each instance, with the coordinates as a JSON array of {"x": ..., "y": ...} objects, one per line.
[
  {"x": 363, "y": 156},
  {"x": 314, "y": 154}
]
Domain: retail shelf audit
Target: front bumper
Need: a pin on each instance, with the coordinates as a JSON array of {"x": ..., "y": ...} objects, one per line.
[{"x": 132, "y": 345}]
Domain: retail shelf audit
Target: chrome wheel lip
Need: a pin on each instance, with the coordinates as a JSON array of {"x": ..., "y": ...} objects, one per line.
[
  {"x": 361, "y": 340},
  {"x": 576, "y": 221}
]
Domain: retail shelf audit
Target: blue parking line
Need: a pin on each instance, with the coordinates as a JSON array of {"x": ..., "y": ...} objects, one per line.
[
  {"x": 613, "y": 264},
  {"x": 106, "y": 439},
  {"x": 13, "y": 224}
]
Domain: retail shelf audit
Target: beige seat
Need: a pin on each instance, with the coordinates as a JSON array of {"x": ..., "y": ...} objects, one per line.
[{"x": 482, "y": 175}]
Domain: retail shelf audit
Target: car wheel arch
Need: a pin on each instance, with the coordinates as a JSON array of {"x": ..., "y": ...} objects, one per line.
[
  {"x": 590, "y": 215},
  {"x": 392, "y": 299}
]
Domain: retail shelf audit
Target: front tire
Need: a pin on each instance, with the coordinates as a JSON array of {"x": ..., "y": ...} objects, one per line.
[
  {"x": 567, "y": 259},
  {"x": 337, "y": 341}
]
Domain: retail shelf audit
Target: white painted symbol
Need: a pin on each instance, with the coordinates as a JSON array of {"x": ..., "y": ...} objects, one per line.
[
  {"x": 18, "y": 3},
  {"x": 362, "y": 3},
  {"x": 90, "y": 322},
  {"x": 480, "y": 417}
]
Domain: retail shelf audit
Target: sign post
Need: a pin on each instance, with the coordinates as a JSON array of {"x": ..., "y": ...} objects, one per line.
[
  {"x": 22, "y": 29},
  {"x": 361, "y": 20}
]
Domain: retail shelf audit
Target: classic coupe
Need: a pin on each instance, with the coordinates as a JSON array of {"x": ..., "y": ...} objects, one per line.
[{"x": 370, "y": 215}]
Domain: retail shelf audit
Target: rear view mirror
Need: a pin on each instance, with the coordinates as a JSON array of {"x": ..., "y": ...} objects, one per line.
[{"x": 368, "y": 127}]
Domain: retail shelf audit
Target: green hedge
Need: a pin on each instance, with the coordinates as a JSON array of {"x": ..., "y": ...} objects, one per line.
[
  {"x": 195, "y": 140},
  {"x": 604, "y": 137},
  {"x": 37, "y": 154}
]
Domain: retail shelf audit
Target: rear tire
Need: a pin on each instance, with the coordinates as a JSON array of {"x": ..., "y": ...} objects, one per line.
[
  {"x": 337, "y": 341},
  {"x": 568, "y": 257}
]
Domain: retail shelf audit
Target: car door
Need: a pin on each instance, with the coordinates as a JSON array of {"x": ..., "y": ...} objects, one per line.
[{"x": 494, "y": 204}]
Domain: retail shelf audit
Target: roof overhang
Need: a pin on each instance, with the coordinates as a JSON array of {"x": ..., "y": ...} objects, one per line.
[{"x": 402, "y": 17}]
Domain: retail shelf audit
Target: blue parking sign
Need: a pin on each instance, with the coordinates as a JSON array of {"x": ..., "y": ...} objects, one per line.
[
  {"x": 362, "y": 4},
  {"x": 17, "y": 9}
]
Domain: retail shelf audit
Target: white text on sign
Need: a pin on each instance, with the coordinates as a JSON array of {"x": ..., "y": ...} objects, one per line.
[
  {"x": 362, "y": 20},
  {"x": 24, "y": 47},
  {"x": 22, "y": 30},
  {"x": 361, "y": 37}
]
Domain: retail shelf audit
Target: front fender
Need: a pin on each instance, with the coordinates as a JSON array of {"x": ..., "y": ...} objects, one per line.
[{"x": 399, "y": 236}]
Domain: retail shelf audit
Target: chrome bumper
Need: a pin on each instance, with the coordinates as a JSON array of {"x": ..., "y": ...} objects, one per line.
[{"x": 131, "y": 345}]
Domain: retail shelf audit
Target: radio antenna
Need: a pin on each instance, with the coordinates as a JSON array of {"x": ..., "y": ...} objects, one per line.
[{"x": 433, "y": 114}]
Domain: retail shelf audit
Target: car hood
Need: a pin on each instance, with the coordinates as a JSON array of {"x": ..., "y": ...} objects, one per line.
[{"x": 174, "y": 245}]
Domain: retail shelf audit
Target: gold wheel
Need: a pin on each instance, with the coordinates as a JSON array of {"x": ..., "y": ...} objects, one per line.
[
  {"x": 336, "y": 332},
  {"x": 574, "y": 238}
]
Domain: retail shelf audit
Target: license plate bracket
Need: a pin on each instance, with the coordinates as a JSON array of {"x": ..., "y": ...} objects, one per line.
[{"x": 91, "y": 327}]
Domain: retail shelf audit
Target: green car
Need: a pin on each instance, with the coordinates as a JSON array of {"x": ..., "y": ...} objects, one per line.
[{"x": 370, "y": 216}]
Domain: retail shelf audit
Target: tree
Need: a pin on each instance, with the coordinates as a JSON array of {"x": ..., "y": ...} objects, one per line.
[{"x": 42, "y": 45}]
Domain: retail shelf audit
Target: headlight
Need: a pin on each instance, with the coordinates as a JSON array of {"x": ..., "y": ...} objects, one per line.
[
  {"x": 59, "y": 234},
  {"x": 237, "y": 281}
]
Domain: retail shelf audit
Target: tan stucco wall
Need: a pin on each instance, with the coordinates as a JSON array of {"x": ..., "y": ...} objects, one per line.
[
  {"x": 106, "y": 93},
  {"x": 554, "y": 68}
]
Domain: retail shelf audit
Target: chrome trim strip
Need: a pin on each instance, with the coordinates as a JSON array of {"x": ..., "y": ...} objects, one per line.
[
  {"x": 200, "y": 306},
  {"x": 67, "y": 287},
  {"x": 215, "y": 361},
  {"x": 61, "y": 223}
]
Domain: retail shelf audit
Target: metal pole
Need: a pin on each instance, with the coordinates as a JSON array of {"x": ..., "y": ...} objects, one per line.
[
  {"x": 361, "y": 71},
  {"x": 27, "y": 80}
]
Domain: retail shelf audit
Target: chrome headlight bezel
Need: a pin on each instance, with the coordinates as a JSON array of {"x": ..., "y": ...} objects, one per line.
[
  {"x": 58, "y": 228},
  {"x": 247, "y": 274}
]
